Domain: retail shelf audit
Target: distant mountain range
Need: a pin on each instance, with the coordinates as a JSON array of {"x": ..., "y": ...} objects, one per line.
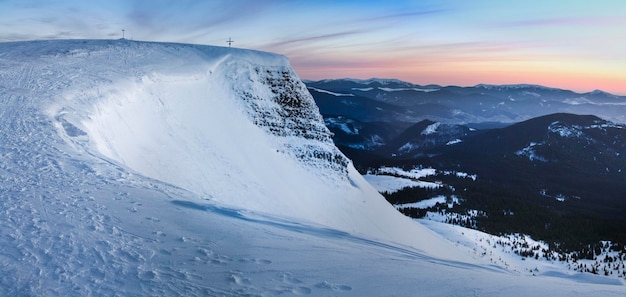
[
  {"x": 389, "y": 100},
  {"x": 537, "y": 151}
]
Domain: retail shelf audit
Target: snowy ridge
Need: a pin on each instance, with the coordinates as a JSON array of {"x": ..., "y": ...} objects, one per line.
[
  {"x": 514, "y": 87},
  {"x": 431, "y": 129},
  {"x": 407, "y": 89},
  {"x": 236, "y": 127},
  {"x": 565, "y": 130},
  {"x": 381, "y": 81},
  {"x": 529, "y": 152},
  {"x": 330, "y": 93}
]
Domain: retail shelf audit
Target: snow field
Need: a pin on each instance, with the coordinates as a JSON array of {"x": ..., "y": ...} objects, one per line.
[{"x": 213, "y": 150}]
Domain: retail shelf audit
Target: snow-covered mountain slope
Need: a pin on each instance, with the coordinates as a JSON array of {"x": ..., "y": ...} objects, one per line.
[
  {"x": 144, "y": 169},
  {"x": 232, "y": 126}
]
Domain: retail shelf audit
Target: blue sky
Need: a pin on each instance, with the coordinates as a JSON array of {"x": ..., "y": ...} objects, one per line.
[{"x": 574, "y": 44}]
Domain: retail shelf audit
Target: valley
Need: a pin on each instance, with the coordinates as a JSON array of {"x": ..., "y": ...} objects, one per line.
[{"x": 557, "y": 177}]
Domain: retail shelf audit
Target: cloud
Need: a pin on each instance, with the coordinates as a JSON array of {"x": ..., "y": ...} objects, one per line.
[
  {"x": 564, "y": 21},
  {"x": 17, "y": 36},
  {"x": 314, "y": 38},
  {"x": 60, "y": 35},
  {"x": 407, "y": 14}
]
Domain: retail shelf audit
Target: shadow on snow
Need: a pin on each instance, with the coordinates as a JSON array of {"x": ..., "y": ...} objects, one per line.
[{"x": 320, "y": 231}]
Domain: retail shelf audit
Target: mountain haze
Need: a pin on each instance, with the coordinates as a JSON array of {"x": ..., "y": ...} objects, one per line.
[{"x": 400, "y": 101}]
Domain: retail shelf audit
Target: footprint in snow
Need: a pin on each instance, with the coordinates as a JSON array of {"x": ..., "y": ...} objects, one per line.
[
  {"x": 147, "y": 275},
  {"x": 301, "y": 291},
  {"x": 288, "y": 279},
  {"x": 334, "y": 287},
  {"x": 159, "y": 233},
  {"x": 153, "y": 219},
  {"x": 255, "y": 261},
  {"x": 239, "y": 279}
]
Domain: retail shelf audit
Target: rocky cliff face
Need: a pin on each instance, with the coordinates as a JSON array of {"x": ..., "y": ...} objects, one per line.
[{"x": 277, "y": 101}]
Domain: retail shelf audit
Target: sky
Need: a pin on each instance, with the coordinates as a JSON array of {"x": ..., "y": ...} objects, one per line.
[{"x": 572, "y": 44}]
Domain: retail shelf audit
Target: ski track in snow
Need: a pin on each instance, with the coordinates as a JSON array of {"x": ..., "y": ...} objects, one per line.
[{"x": 75, "y": 223}]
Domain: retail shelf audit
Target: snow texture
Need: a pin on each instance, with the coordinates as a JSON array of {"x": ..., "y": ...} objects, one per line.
[
  {"x": 330, "y": 93},
  {"x": 155, "y": 169},
  {"x": 390, "y": 184},
  {"x": 529, "y": 151},
  {"x": 431, "y": 129},
  {"x": 415, "y": 173},
  {"x": 346, "y": 125},
  {"x": 454, "y": 141},
  {"x": 424, "y": 204},
  {"x": 460, "y": 174},
  {"x": 565, "y": 131}
]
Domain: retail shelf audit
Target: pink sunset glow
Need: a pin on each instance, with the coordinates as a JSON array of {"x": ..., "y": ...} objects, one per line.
[{"x": 577, "y": 45}]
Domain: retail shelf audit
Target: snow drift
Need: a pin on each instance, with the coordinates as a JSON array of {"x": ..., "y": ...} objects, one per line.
[{"x": 236, "y": 127}]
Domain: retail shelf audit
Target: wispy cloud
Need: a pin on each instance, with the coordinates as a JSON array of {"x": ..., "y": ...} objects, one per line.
[
  {"x": 60, "y": 35},
  {"x": 17, "y": 36},
  {"x": 565, "y": 21},
  {"x": 409, "y": 14},
  {"x": 314, "y": 38}
]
